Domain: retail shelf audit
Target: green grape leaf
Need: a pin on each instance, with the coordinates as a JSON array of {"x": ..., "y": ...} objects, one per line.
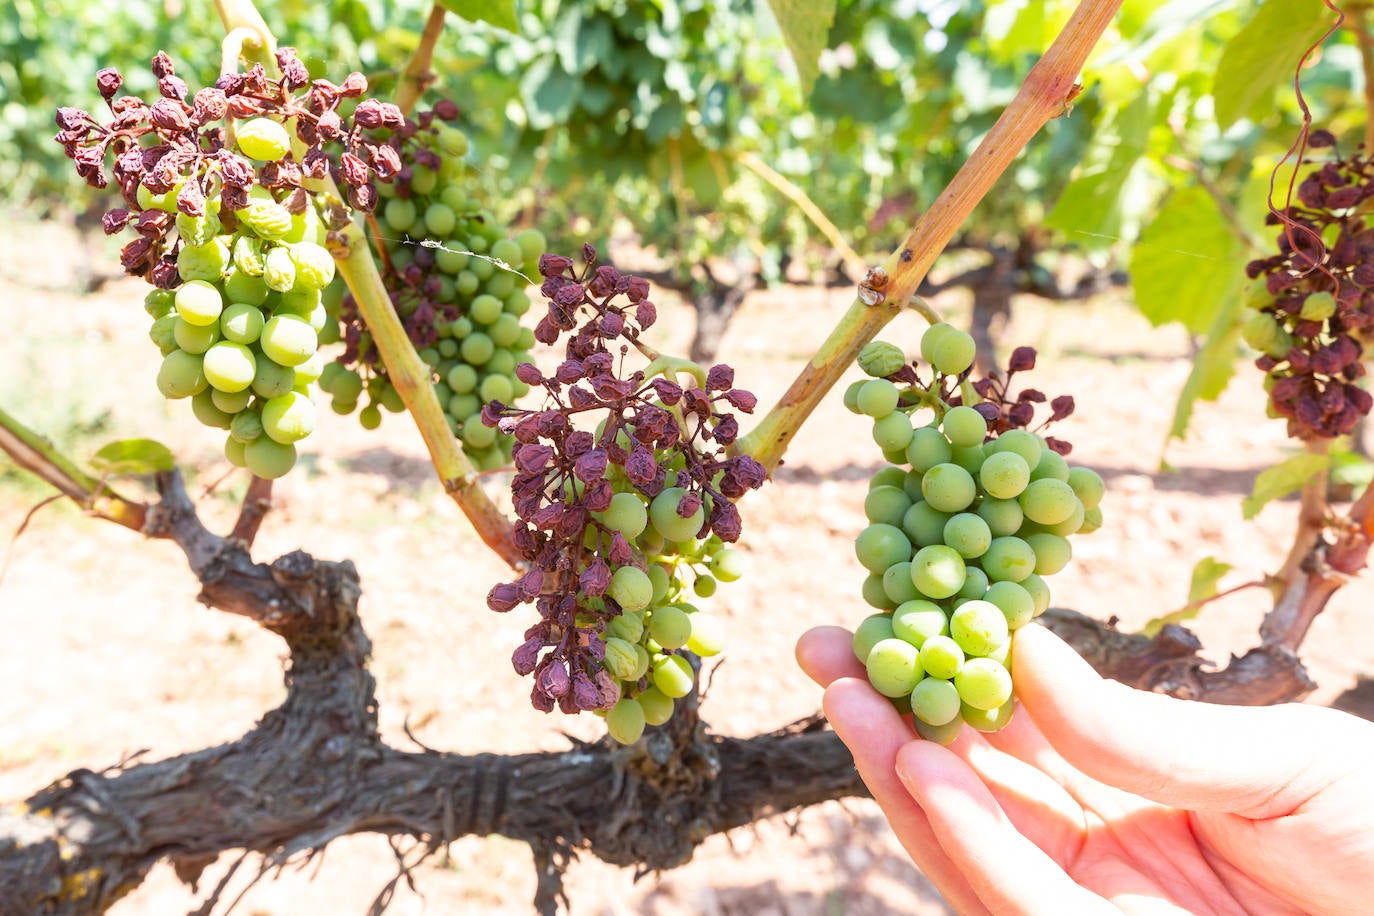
[
  {"x": 805, "y": 27},
  {"x": 1184, "y": 266},
  {"x": 1213, "y": 366},
  {"x": 1264, "y": 55},
  {"x": 1282, "y": 479},
  {"x": 133, "y": 456},
  {"x": 500, "y": 13},
  {"x": 1105, "y": 200},
  {"x": 1203, "y": 587}
]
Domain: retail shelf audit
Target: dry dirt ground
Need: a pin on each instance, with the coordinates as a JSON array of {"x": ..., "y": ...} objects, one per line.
[{"x": 105, "y": 650}]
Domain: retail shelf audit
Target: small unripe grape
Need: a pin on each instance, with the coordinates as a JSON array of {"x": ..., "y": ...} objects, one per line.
[
  {"x": 670, "y": 626},
  {"x": 203, "y": 406},
  {"x": 209, "y": 261},
  {"x": 870, "y": 631},
  {"x": 194, "y": 338},
  {"x": 708, "y": 635},
  {"x": 880, "y": 359},
  {"x": 231, "y": 402},
  {"x": 262, "y": 139},
  {"x": 939, "y": 734},
  {"x": 1013, "y": 600},
  {"x": 271, "y": 379},
  {"x": 877, "y": 398},
  {"x": 941, "y": 657},
  {"x": 672, "y": 674},
  {"x": 935, "y": 701},
  {"x": 658, "y": 706},
  {"x": 924, "y": 525},
  {"x": 268, "y": 458},
  {"x": 246, "y": 426},
  {"x": 288, "y": 340},
  {"x": 1008, "y": 559},
  {"x": 897, "y": 584},
  {"x": 314, "y": 264},
  {"x": 983, "y": 684},
  {"x": 965, "y": 426},
  {"x": 626, "y": 514},
  {"x": 968, "y": 534},
  {"x": 893, "y": 432},
  {"x": 937, "y": 571},
  {"x": 625, "y": 721},
  {"x": 1052, "y": 465},
  {"x": 229, "y": 366},
  {"x": 663, "y": 512},
  {"x": 400, "y": 214},
  {"x": 880, "y": 546},
  {"x": 1047, "y": 501},
  {"x": 894, "y": 667},
  {"x": 918, "y": 620},
  {"x": 199, "y": 302},
  {"x": 1026, "y": 444},
  {"x": 729, "y": 565},
  {"x": 948, "y": 488},
  {"x": 439, "y": 219},
  {"x": 1087, "y": 486},
  {"x": 288, "y": 418},
  {"x": 1004, "y": 475},
  {"x": 979, "y": 627},
  {"x": 180, "y": 375},
  {"x": 620, "y": 658},
  {"x": 948, "y": 349},
  {"x": 279, "y": 271},
  {"x": 267, "y": 219},
  {"x": 704, "y": 586},
  {"x": 630, "y": 588}
]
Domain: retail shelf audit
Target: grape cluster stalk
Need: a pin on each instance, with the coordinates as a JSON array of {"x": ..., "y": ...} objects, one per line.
[
  {"x": 230, "y": 238},
  {"x": 973, "y": 511},
  {"x": 457, "y": 281},
  {"x": 625, "y": 499}
]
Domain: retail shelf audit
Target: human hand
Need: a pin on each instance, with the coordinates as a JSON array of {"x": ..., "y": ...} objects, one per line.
[{"x": 1098, "y": 798}]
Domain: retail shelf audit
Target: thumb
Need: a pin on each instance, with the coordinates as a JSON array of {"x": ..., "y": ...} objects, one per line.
[{"x": 1252, "y": 761}]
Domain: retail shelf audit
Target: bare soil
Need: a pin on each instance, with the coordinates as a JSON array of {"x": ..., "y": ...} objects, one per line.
[{"x": 106, "y": 652}]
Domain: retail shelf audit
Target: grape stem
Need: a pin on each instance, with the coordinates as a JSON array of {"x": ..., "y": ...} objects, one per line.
[
  {"x": 246, "y": 36},
  {"x": 418, "y": 75},
  {"x": 1044, "y": 95},
  {"x": 40, "y": 457},
  {"x": 257, "y": 502},
  {"x": 1359, "y": 24}
]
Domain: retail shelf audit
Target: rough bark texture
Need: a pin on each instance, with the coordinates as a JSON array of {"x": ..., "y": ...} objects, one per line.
[{"x": 315, "y": 768}]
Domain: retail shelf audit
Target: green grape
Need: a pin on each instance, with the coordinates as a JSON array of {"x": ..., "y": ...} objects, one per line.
[
  {"x": 266, "y": 218},
  {"x": 502, "y": 362},
  {"x": 532, "y": 245},
  {"x": 937, "y": 571},
  {"x": 894, "y": 667},
  {"x": 893, "y": 432},
  {"x": 485, "y": 309},
  {"x": 1013, "y": 600},
  {"x": 423, "y": 180},
  {"x": 897, "y": 584},
  {"x": 180, "y": 375},
  {"x": 241, "y": 323},
  {"x": 875, "y": 594},
  {"x": 1004, "y": 516},
  {"x": 248, "y": 254},
  {"x": 268, "y": 458},
  {"x": 496, "y": 388},
  {"x": 1008, "y": 559},
  {"x": 663, "y": 512},
  {"x": 877, "y": 398},
  {"x": 197, "y": 230},
  {"x": 1092, "y": 520},
  {"x": 978, "y": 627},
  {"x": 314, "y": 265},
  {"x": 245, "y": 289},
  {"x": 440, "y": 219},
  {"x": 948, "y": 349},
  {"x": 728, "y": 565},
  {"x": 940, "y": 734},
  {"x": 965, "y": 427},
  {"x": 477, "y": 434},
  {"x": 880, "y": 546},
  {"x": 467, "y": 284},
  {"x": 203, "y": 406},
  {"x": 880, "y": 359},
  {"x": 1039, "y": 592},
  {"x": 983, "y": 684},
  {"x": 970, "y": 458},
  {"x": 620, "y": 658},
  {"x": 462, "y": 378},
  {"x": 918, "y": 620},
  {"x": 708, "y": 635},
  {"x": 370, "y": 417},
  {"x": 670, "y": 626},
  {"x": 1052, "y": 552},
  {"x": 159, "y": 302},
  {"x": 309, "y": 371},
  {"x": 886, "y": 505},
  {"x": 935, "y": 701},
  {"x": 1051, "y": 465},
  {"x": 988, "y": 720},
  {"x": 927, "y": 449},
  {"x": 627, "y": 625},
  {"x": 279, "y": 271},
  {"x": 477, "y": 348},
  {"x": 167, "y": 201},
  {"x": 658, "y": 706},
  {"x": 229, "y": 367},
  {"x": 975, "y": 583},
  {"x": 288, "y": 418},
  {"x": 288, "y": 340},
  {"x": 194, "y": 338},
  {"x": 625, "y": 721},
  {"x": 630, "y": 588},
  {"x": 399, "y": 214},
  {"x": 924, "y": 525},
  {"x": 198, "y": 302},
  {"x": 347, "y": 385},
  {"x": 262, "y": 139},
  {"x": 234, "y": 452},
  {"x": 1047, "y": 501},
  {"x": 851, "y": 395},
  {"x": 246, "y": 426},
  {"x": 451, "y": 259},
  {"x": 231, "y": 402},
  {"x": 704, "y": 586},
  {"x": 625, "y": 514},
  {"x": 890, "y": 476},
  {"x": 661, "y": 580},
  {"x": 968, "y": 534},
  {"x": 464, "y": 405},
  {"x": 505, "y": 332},
  {"x": 509, "y": 251},
  {"x": 501, "y": 285},
  {"x": 1023, "y": 443},
  {"x": 672, "y": 675},
  {"x": 1071, "y": 524},
  {"x": 1004, "y": 475},
  {"x": 1087, "y": 486},
  {"x": 299, "y": 300},
  {"x": 482, "y": 268},
  {"x": 270, "y": 378},
  {"x": 871, "y": 631},
  {"x": 204, "y": 262},
  {"x": 948, "y": 488},
  {"x": 941, "y": 657}
]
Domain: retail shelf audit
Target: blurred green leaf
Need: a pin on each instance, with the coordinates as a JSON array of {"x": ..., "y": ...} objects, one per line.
[
  {"x": 805, "y": 26},
  {"x": 1283, "y": 478},
  {"x": 1264, "y": 55},
  {"x": 1186, "y": 264},
  {"x": 500, "y": 13},
  {"x": 1203, "y": 587},
  {"x": 133, "y": 456}
]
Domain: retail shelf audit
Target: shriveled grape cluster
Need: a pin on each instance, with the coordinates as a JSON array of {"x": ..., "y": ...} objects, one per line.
[
  {"x": 456, "y": 280},
  {"x": 624, "y": 495},
  {"x": 1314, "y": 300},
  {"x": 230, "y": 237},
  {"x": 973, "y": 511}
]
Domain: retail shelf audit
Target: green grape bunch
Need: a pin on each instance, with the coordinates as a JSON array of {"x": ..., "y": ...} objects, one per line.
[
  {"x": 973, "y": 512},
  {"x": 230, "y": 237},
  {"x": 458, "y": 283}
]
